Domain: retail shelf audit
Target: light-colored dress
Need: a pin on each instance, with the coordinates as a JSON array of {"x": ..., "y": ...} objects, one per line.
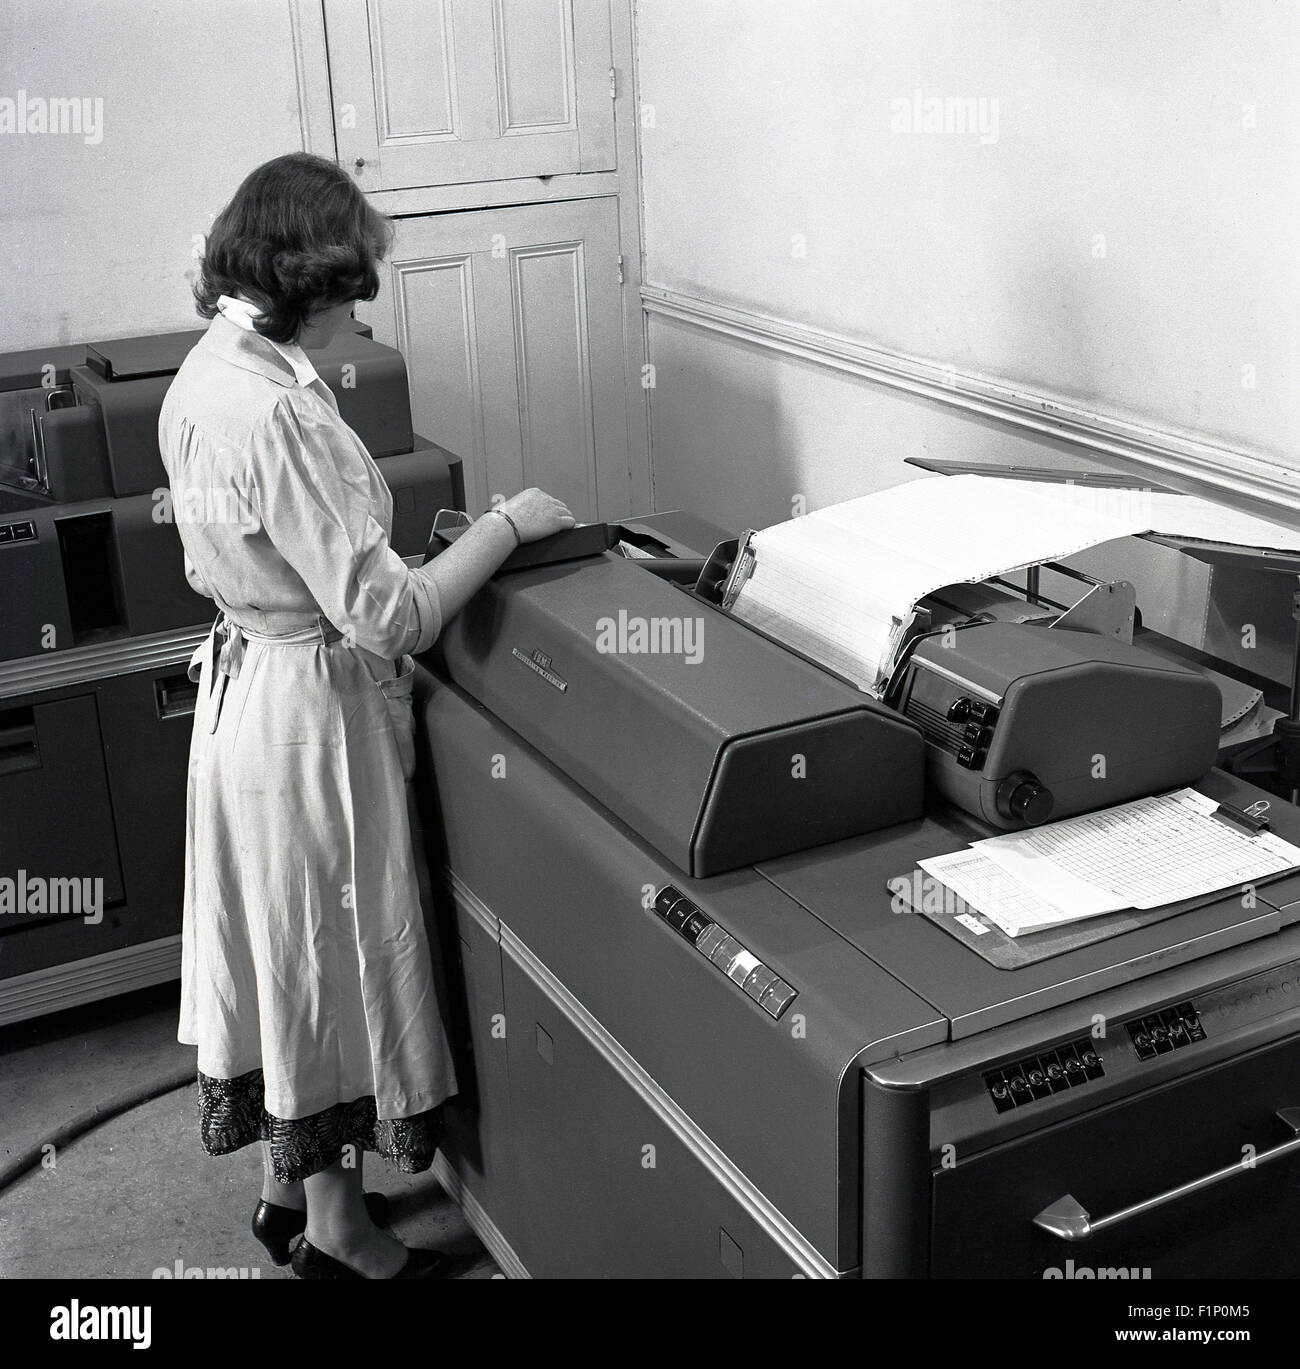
[{"x": 306, "y": 977}]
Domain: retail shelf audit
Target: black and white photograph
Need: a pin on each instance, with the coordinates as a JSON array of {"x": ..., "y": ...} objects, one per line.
[{"x": 651, "y": 640}]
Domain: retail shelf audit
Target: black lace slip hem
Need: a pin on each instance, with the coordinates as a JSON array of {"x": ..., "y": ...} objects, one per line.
[{"x": 232, "y": 1114}]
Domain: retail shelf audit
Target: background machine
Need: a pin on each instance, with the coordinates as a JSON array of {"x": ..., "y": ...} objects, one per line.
[
  {"x": 97, "y": 624},
  {"x": 704, "y": 1037}
]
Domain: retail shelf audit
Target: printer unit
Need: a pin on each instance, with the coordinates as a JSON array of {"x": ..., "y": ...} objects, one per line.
[{"x": 1025, "y": 723}]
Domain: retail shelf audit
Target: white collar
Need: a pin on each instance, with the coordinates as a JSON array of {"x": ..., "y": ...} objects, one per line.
[{"x": 242, "y": 313}]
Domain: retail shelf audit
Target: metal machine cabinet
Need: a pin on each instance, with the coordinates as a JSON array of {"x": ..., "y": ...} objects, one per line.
[
  {"x": 1177, "y": 1152},
  {"x": 50, "y": 747},
  {"x": 831, "y": 1081},
  {"x": 659, "y": 1041},
  {"x": 98, "y": 792},
  {"x": 603, "y": 1167},
  {"x": 478, "y": 1118},
  {"x": 984, "y": 1210}
]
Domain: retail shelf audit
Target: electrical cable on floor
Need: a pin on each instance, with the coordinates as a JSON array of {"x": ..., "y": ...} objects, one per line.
[{"x": 86, "y": 1121}]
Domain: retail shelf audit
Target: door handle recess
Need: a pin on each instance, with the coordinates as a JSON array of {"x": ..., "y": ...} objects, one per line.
[
  {"x": 175, "y": 696},
  {"x": 1069, "y": 1219}
]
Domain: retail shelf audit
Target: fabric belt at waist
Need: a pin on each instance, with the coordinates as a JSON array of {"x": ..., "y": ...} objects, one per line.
[
  {"x": 317, "y": 631},
  {"x": 229, "y": 638}
]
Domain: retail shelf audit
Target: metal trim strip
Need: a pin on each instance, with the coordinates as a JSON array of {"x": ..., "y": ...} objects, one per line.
[
  {"x": 479, "y": 1222},
  {"x": 81, "y": 665},
  {"x": 73, "y": 983}
]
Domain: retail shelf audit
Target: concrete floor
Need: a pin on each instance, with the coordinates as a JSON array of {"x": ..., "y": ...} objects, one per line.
[{"x": 137, "y": 1193}]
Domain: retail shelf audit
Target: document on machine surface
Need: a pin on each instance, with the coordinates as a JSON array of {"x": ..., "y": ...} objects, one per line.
[
  {"x": 986, "y": 888},
  {"x": 841, "y": 584},
  {"x": 1146, "y": 854}
]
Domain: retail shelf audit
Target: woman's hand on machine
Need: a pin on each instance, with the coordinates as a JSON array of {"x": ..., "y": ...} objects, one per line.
[{"x": 536, "y": 514}]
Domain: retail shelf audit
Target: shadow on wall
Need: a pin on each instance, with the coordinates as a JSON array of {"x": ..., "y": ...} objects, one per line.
[{"x": 740, "y": 433}]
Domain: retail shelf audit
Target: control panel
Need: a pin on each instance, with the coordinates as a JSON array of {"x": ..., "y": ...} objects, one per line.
[
  {"x": 1170, "y": 1029},
  {"x": 1235, "y": 1005},
  {"x": 1042, "y": 1075},
  {"x": 952, "y": 714},
  {"x": 976, "y": 718},
  {"x": 17, "y": 532},
  {"x": 722, "y": 950}
]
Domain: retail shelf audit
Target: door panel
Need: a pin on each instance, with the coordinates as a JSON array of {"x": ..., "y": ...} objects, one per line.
[
  {"x": 605, "y": 1189},
  {"x": 510, "y": 322},
  {"x": 554, "y": 355},
  {"x": 437, "y": 92}
]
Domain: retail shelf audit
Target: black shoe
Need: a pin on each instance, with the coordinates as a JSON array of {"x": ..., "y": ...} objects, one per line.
[
  {"x": 276, "y": 1226},
  {"x": 310, "y": 1263}
]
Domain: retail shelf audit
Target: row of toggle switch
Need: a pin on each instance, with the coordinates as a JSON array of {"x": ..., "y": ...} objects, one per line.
[
  {"x": 980, "y": 719},
  {"x": 1040, "y": 1076},
  {"x": 1161, "y": 1032},
  {"x": 718, "y": 946}
]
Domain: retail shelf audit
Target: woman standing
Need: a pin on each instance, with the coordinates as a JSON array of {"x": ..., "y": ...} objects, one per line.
[{"x": 306, "y": 978}]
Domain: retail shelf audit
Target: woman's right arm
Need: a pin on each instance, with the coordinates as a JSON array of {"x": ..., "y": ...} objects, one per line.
[
  {"x": 473, "y": 558},
  {"x": 312, "y": 492}
]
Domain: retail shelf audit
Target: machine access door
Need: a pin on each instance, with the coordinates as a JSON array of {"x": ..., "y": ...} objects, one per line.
[
  {"x": 1155, "y": 1146},
  {"x": 58, "y": 829}
]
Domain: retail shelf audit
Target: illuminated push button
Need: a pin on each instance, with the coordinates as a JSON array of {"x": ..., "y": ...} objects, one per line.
[
  {"x": 694, "y": 925},
  {"x": 679, "y": 912},
  {"x": 710, "y": 939},
  {"x": 777, "y": 998},
  {"x": 665, "y": 899},
  {"x": 742, "y": 966},
  {"x": 760, "y": 980},
  {"x": 725, "y": 952}
]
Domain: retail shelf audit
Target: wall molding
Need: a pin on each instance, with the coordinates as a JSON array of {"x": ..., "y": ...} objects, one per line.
[{"x": 1175, "y": 460}]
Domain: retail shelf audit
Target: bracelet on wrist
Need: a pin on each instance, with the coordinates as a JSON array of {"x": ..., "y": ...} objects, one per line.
[{"x": 514, "y": 527}]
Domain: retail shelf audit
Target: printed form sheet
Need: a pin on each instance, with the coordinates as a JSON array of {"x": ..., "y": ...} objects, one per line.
[
  {"x": 1146, "y": 853},
  {"x": 986, "y": 888}
]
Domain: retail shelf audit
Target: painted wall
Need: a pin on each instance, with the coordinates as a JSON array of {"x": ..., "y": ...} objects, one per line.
[
  {"x": 1101, "y": 209},
  {"x": 97, "y": 225}
]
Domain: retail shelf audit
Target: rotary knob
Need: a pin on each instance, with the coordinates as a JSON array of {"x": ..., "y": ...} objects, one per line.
[{"x": 1023, "y": 798}]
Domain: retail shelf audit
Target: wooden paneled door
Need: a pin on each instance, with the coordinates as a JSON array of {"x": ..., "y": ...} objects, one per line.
[
  {"x": 441, "y": 92},
  {"x": 510, "y": 321}
]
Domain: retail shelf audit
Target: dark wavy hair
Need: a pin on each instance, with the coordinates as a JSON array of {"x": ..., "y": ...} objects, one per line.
[{"x": 298, "y": 236}]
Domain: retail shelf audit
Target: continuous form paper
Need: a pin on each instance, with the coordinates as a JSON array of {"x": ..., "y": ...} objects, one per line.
[
  {"x": 1174, "y": 515},
  {"x": 841, "y": 584}
]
